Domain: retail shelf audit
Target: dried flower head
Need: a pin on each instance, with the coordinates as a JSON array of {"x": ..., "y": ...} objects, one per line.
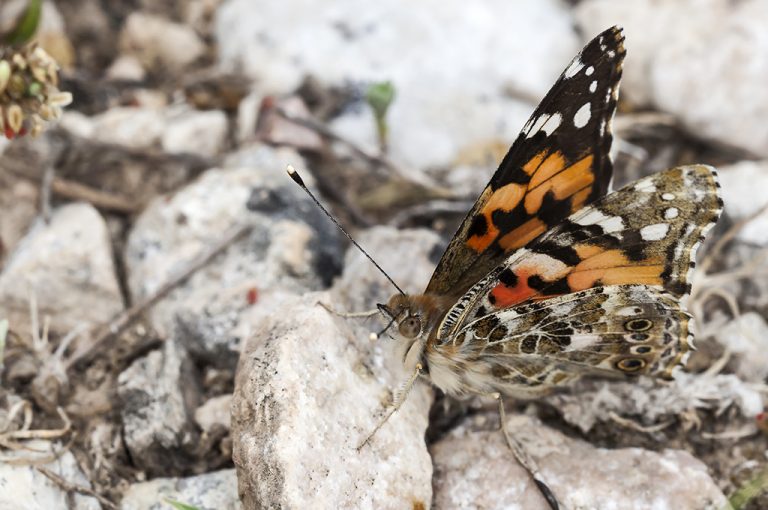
[{"x": 29, "y": 93}]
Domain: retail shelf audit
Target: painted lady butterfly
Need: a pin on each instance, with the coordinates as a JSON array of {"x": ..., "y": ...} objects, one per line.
[{"x": 548, "y": 278}]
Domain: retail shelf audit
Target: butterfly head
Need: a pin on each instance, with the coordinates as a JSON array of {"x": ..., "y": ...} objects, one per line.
[{"x": 415, "y": 317}]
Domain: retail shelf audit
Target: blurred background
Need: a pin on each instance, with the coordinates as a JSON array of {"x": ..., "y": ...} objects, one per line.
[{"x": 119, "y": 338}]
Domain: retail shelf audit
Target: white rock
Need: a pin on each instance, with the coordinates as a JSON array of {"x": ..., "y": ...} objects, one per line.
[
  {"x": 137, "y": 128},
  {"x": 448, "y": 95},
  {"x": 77, "y": 123},
  {"x": 747, "y": 339},
  {"x": 475, "y": 469},
  {"x": 290, "y": 250},
  {"x": 25, "y": 487},
  {"x": 211, "y": 490},
  {"x": 743, "y": 185},
  {"x": 159, "y": 43},
  {"x": 158, "y": 393},
  {"x": 705, "y": 61},
  {"x": 196, "y": 132},
  {"x": 305, "y": 397},
  {"x": 215, "y": 411},
  {"x": 68, "y": 266},
  {"x": 128, "y": 68}
]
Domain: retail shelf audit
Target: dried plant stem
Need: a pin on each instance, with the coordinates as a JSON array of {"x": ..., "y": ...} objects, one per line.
[
  {"x": 68, "y": 486},
  {"x": 77, "y": 191}
]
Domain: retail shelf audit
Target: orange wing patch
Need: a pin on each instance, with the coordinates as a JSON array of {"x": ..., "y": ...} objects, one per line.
[
  {"x": 563, "y": 182},
  {"x": 612, "y": 267},
  {"x": 549, "y": 174}
]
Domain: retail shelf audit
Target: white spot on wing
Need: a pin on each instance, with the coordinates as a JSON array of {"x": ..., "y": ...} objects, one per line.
[
  {"x": 582, "y": 116},
  {"x": 573, "y": 68},
  {"x": 654, "y": 232},
  {"x": 593, "y": 86},
  {"x": 590, "y": 70},
  {"x": 645, "y": 185},
  {"x": 610, "y": 224},
  {"x": 581, "y": 342},
  {"x": 671, "y": 213},
  {"x": 546, "y": 124},
  {"x": 668, "y": 196}
]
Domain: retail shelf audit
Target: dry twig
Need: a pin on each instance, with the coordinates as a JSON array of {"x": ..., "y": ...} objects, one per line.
[
  {"x": 77, "y": 191},
  {"x": 68, "y": 486}
]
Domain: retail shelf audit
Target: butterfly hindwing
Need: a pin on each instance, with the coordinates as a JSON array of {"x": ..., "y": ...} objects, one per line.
[
  {"x": 613, "y": 330},
  {"x": 559, "y": 163},
  {"x": 646, "y": 233}
]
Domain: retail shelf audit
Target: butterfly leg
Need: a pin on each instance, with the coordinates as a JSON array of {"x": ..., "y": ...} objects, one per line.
[
  {"x": 349, "y": 315},
  {"x": 396, "y": 404},
  {"x": 524, "y": 459}
]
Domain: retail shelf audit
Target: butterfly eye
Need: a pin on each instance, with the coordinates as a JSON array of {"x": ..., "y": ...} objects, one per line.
[{"x": 410, "y": 327}]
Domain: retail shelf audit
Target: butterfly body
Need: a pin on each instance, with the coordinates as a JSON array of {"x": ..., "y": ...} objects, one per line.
[{"x": 550, "y": 278}]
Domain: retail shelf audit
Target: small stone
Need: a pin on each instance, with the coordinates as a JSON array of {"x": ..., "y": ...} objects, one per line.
[
  {"x": 194, "y": 132},
  {"x": 214, "y": 412},
  {"x": 747, "y": 339},
  {"x": 126, "y": 68},
  {"x": 138, "y": 128},
  {"x": 475, "y": 468},
  {"x": 67, "y": 265},
  {"x": 158, "y": 394},
  {"x": 275, "y": 129},
  {"x": 742, "y": 188},
  {"x": 160, "y": 44},
  {"x": 25, "y": 487},
  {"x": 216, "y": 490},
  {"x": 77, "y": 124}
]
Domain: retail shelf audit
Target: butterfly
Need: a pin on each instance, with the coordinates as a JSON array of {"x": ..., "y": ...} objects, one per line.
[{"x": 548, "y": 277}]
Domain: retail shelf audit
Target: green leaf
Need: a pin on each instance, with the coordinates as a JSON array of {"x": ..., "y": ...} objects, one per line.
[
  {"x": 178, "y": 505},
  {"x": 379, "y": 96},
  {"x": 27, "y": 24}
]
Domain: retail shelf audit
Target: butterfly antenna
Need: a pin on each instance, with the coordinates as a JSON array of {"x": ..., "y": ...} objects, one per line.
[{"x": 293, "y": 174}]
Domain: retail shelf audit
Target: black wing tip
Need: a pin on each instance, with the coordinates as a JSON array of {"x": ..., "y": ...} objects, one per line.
[{"x": 609, "y": 39}]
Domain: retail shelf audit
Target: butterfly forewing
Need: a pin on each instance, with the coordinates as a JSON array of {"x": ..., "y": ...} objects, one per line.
[{"x": 559, "y": 163}]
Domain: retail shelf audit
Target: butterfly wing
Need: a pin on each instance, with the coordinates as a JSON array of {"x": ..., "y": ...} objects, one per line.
[
  {"x": 525, "y": 350},
  {"x": 646, "y": 233},
  {"x": 559, "y": 163}
]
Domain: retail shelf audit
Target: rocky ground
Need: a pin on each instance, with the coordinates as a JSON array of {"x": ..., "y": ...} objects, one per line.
[{"x": 161, "y": 274}]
